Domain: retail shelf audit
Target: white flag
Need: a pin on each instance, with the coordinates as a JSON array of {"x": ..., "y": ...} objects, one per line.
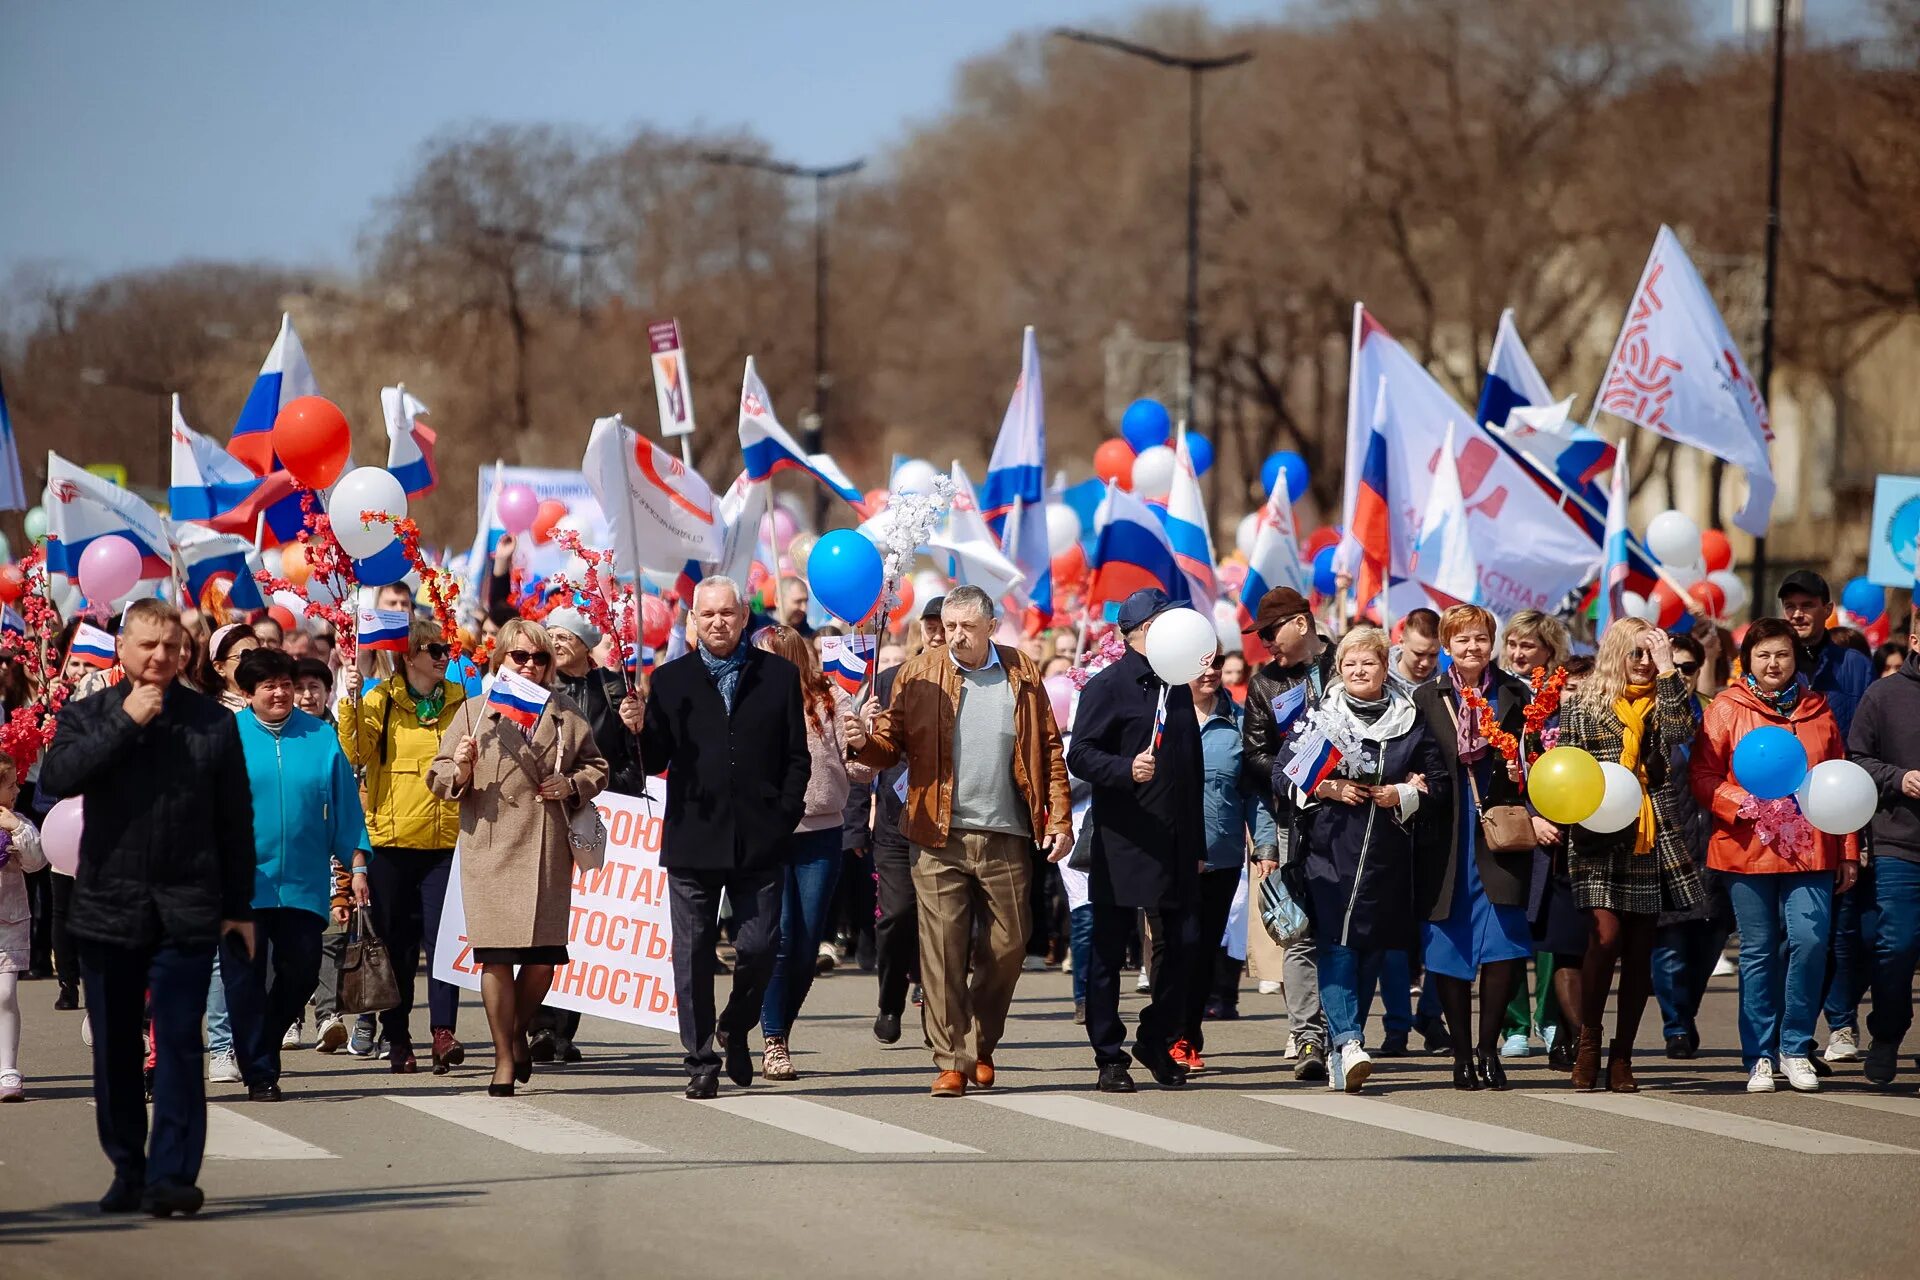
[
  {"x": 1443, "y": 559},
  {"x": 977, "y": 560},
  {"x": 661, "y": 511}
]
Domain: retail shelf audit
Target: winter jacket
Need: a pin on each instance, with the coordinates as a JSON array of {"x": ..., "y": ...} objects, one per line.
[
  {"x": 306, "y": 811},
  {"x": 1735, "y": 844},
  {"x": 16, "y": 913},
  {"x": 1885, "y": 741},
  {"x": 1842, "y": 676},
  {"x": 1230, "y": 810},
  {"x": 167, "y": 850},
  {"x": 386, "y": 741},
  {"x": 1261, "y": 734}
]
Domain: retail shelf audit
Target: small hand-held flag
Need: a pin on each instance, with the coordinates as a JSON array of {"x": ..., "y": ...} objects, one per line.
[
  {"x": 845, "y": 659},
  {"x": 1313, "y": 760},
  {"x": 517, "y": 699},
  {"x": 1160, "y": 718},
  {"x": 383, "y": 630},
  {"x": 93, "y": 646}
]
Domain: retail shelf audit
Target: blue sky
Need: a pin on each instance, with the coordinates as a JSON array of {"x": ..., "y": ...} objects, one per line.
[{"x": 137, "y": 132}]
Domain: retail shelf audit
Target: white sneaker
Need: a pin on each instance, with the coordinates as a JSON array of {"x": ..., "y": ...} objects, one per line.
[
  {"x": 1515, "y": 1046},
  {"x": 331, "y": 1035},
  {"x": 291, "y": 1040},
  {"x": 1144, "y": 982},
  {"x": 1547, "y": 1033},
  {"x": 1761, "y": 1078},
  {"x": 1268, "y": 987},
  {"x": 1066, "y": 963},
  {"x": 86, "y": 1029},
  {"x": 222, "y": 1068},
  {"x": 1354, "y": 1066},
  {"x": 13, "y": 1087},
  {"x": 1724, "y": 968},
  {"x": 1800, "y": 1074},
  {"x": 1292, "y": 1050},
  {"x": 1843, "y": 1046}
]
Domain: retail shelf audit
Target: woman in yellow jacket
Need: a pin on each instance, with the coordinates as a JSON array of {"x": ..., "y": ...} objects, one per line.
[{"x": 391, "y": 735}]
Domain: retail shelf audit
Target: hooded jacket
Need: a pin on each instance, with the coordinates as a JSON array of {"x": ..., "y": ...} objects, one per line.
[{"x": 1735, "y": 844}]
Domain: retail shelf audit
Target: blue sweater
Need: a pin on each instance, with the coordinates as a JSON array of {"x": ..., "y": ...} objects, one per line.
[{"x": 306, "y": 811}]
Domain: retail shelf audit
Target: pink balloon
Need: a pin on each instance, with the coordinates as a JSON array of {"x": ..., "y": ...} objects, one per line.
[
  {"x": 60, "y": 836},
  {"x": 784, "y": 527},
  {"x": 109, "y": 568},
  {"x": 1060, "y": 694},
  {"x": 518, "y": 506}
]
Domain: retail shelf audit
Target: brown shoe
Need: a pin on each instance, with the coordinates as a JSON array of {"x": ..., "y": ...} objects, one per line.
[
  {"x": 1620, "y": 1069},
  {"x": 949, "y": 1084},
  {"x": 983, "y": 1073},
  {"x": 1586, "y": 1060}
]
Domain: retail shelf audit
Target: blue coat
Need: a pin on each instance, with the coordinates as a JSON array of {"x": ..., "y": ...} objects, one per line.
[
  {"x": 1844, "y": 675},
  {"x": 306, "y": 811},
  {"x": 1230, "y": 810}
]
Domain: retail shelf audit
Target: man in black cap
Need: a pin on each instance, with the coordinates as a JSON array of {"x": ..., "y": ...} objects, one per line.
[
  {"x": 1148, "y": 844},
  {"x": 1275, "y": 699}
]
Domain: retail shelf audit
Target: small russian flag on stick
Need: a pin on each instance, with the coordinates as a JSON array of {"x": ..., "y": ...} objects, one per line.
[
  {"x": 517, "y": 699},
  {"x": 383, "y": 630},
  {"x": 93, "y": 646}
]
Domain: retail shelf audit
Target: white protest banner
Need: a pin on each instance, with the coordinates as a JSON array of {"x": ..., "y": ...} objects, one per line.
[
  {"x": 671, "y": 386},
  {"x": 619, "y": 942}
]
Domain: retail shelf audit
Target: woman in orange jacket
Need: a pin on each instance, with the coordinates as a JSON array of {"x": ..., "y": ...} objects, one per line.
[{"x": 1782, "y": 874}]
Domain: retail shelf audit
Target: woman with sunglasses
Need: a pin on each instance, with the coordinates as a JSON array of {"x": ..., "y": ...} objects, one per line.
[
  {"x": 1635, "y": 710},
  {"x": 391, "y": 736},
  {"x": 517, "y": 790}
]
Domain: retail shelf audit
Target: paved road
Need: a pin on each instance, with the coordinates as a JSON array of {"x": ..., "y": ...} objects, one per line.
[{"x": 603, "y": 1168}]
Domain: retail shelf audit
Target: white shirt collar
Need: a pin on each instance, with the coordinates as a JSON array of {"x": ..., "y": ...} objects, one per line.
[{"x": 993, "y": 659}]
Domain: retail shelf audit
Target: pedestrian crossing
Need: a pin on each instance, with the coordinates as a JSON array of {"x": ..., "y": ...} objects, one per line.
[{"x": 1039, "y": 1123}]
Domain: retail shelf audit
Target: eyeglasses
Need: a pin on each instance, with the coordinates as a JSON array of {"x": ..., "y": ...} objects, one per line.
[
  {"x": 438, "y": 652},
  {"x": 521, "y": 657}
]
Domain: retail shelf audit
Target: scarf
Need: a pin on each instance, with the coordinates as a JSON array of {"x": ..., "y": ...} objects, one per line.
[
  {"x": 1369, "y": 712},
  {"x": 1470, "y": 742},
  {"x": 1781, "y": 701},
  {"x": 725, "y": 672},
  {"x": 427, "y": 707},
  {"x": 1634, "y": 707}
]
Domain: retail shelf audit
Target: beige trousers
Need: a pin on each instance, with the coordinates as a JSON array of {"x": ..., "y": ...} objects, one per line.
[{"x": 973, "y": 914}]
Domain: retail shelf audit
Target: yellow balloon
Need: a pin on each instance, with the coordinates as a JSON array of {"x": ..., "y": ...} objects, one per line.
[{"x": 1566, "y": 785}]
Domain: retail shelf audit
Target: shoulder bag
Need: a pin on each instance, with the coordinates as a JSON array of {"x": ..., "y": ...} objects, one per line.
[
  {"x": 586, "y": 833},
  {"x": 1507, "y": 828},
  {"x": 367, "y": 984}
]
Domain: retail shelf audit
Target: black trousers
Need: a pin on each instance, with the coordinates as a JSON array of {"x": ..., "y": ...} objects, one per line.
[
  {"x": 268, "y": 991},
  {"x": 66, "y": 951},
  {"x": 694, "y": 906},
  {"x": 1210, "y": 922},
  {"x": 1160, "y": 1020},
  {"x": 409, "y": 890},
  {"x": 118, "y": 982},
  {"x": 897, "y": 933}
]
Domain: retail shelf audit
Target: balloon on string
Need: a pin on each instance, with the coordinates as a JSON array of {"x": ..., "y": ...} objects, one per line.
[
  {"x": 1199, "y": 452},
  {"x": 284, "y": 616},
  {"x": 1063, "y": 527},
  {"x": 1716, "y": 550},
  {"x": 903, "y": 610},
  {"x": 1865, "y": 600},
  {"x": 60, "y": 835},
  {"x": 1153, "y": 473},
  {"x": 1619, "y": 802},
  {"x": 1668, "y": 605},
  {"x": 13, "y": 584},
  {"x": 312, "y": 440},
  {"x": 517, "y": 506},
  {"x": 801, "y": 547},
  {"x": 1567, "y": 785},
  {"x": 365, "y": 489},
  {"x": 1635, "y": 605},
  {"x": 1684, "y": 575},
  {"x": 1320, "y": 539},
  {"x": 1293, "y": 467},
  {"x": 1060, "y": 697},
  {"x": 1770, "y": 762},
  {"x": 1179, "y": 644},
  {"x": 656, "y": 622},
  {"x": 846, "y": 574},
  {"x": 552, "y": 512},
  {"x": 109, "y": 568},
  {"x": 916, "y": 476},
  {"x": 1325, "y": 580},
  {"x": 36, "y": 522},
  {"x": 1712, "y": 600},
  {"x": 1838, "y": 797},
  {"x": 1070, "y": 566},
  {"x": 1145, "y": 424},
  {"x": 1674, "y": 538},
  {"x": 1113, "y": 463},
  {"x": 1732, "y": 588}
]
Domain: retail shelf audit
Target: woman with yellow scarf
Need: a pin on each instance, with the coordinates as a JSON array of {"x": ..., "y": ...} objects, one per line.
[{"x": 1635, "y": 710}]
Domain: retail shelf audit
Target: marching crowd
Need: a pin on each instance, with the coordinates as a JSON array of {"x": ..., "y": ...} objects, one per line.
[{"x": 243, "y": 828}]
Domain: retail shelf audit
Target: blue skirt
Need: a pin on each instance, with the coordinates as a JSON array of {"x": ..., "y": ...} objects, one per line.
[{"x": 1475, "y": 932}]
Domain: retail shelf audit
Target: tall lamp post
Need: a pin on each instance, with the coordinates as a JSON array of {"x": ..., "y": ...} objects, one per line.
[
  {"x": 1195, "y": 69},
  {"x": 1776, "y": 129},
  {"x": 814, "y": 429}
]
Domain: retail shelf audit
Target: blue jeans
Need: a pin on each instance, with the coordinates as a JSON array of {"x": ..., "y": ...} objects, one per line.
[
  {"x": 1683, "y": 958},
  {"x": 1394, "y": 977},
  {"x": 1856, "y": 923},
  {"x": 1080, "y": 941},
  {"x": 1896, "y": 890},
  {"x": 1785, "y": 921},
  {"x": 1344, "y": 973},
  {"x": 219, "y": 1025},
  {"x": 812, "y": 870}
]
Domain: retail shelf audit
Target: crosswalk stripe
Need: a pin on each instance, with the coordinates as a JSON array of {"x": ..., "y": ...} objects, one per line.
[
  {"x": 1725, "y": 1124},
  {"x": 1891, "y": 1105},
  {"x": 1471, "y": 1134},
  {"x": 1132, "y": 1126},
  {"x": 232, "y": 1136},
  {"x": 527, "y": 1127},
  {"x": 836, "y": 1128}
]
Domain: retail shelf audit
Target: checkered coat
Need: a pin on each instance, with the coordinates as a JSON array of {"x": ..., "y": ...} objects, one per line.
[{"x": 1606, "y": 873}]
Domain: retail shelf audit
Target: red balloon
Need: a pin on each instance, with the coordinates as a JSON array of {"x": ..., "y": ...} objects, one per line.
[
  {"x": 1070, "y": 566},
  {"x": 656, "y": 622},
  {"x": 905, "y": 609},
  {"x": 1715, "y": 550},
  {"x": 281, "y": 614},
  {"x": 1672, "y": 606},
  {"x": 312, "y": 440},
  {"x": 1113, "y": 462},
  {"x": 1711, "y": 599},
  {"x": 13, "y": 583},
  {"x": 1319, "y": 540},
  {"x": 552, "y": 512}
]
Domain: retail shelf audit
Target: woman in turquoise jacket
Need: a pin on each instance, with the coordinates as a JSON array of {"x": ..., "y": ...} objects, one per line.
[{"x": 306, "y": 814}]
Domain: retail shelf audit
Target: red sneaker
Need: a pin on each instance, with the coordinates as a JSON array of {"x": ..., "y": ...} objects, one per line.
[{"x": 1183, "y": 1053}]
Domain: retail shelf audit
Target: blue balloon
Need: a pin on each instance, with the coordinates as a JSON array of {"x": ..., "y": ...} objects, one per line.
[
  {"x": 846, "y": 574},
  {"x": 1146, "y": 424},
  {"x": 1293, "y": 466},
  {"x": 1324, "y": 580},
  {"x": 1864, "y": 600},
  {"x": 1199, "y": 452},
  {"x": 1770, "y": 762},
  {"x": 387, "y": 565}
]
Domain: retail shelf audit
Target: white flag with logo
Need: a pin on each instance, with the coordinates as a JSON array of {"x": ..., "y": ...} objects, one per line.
[{"x": 662, "y": 512}]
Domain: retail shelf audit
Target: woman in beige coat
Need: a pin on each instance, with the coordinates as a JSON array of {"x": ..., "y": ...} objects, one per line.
[{"x": 516, "y": 793}]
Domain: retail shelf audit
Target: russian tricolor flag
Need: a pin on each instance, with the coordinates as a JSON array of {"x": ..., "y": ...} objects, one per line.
[
  {"x": 1314, "y": 759},
  {"x": 517, "y": 699},
  {"x": 1013, "y": 498},
  {"x": 383, "y": 630},
  {"x": 767, "y": 448},
  {"x": 93, "y": 646},
  {"x": 284, "y": 376},
  {"x": 13, "y": 489},
  {"x": 1572, "y": 455},
  {"x": 206, "y": 556},
  {"x": 1275, "y": 561},
  {"x": 1372, "y": 516},
  {"x": 1131, "y": 551},
  {"x": 845, "y": 659},
  {"x": 82, "y": 506},
  {"x": 211, "y": 486},
  {"x": 409, "y": 441},
  {"x": 1185, "y": 519}
]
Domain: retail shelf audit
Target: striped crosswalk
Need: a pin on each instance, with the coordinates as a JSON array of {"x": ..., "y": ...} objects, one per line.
[
  {"x": 1474, "y": 1135},
  {"x": 1148, "y": 1130},
  {"x": 1726, "y": 1124},
  {"x": 527, "y": 1127}
]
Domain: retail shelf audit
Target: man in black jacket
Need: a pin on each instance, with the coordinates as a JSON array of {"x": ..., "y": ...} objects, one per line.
[
  {"x": 725, "y": 722},
  {"x": 166, "y": 871},
  {"x": 1149, "y": 841},
  {"x": 1885, "y": 741}
]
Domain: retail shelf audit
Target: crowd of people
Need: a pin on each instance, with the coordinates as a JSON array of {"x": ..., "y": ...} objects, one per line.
[{"x": 252, "y": 805}]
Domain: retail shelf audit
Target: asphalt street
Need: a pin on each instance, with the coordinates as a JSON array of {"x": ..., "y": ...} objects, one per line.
[{"x": 602, "y": 1168}]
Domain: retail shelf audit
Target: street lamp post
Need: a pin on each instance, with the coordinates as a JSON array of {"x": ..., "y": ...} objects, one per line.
[
  {"x": 1195, "y": 69},
  {"x": 1776, "y": 129}
]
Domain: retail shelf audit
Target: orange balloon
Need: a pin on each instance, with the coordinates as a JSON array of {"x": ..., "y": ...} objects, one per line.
[
  {"x": 312, "y": 440},
  {"x": 1711, "y": 599},
  {"x": 293, "y": 564},
  {"x": 552, "y": 512},
  {"x": 1070, "y": 566},
  {"x": 905, "y": 609},
  {"x": 282, "y": 615},
  {"x": 1113, "y": 462}
]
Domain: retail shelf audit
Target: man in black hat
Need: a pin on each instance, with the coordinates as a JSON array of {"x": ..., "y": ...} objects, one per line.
[
  {"x": 1280, "y": 692},
  {"x": 1148, "y": 844}
]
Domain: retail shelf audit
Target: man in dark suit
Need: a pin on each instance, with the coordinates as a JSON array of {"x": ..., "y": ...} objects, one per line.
[
  {"x": 1149, "y": 842},
  {"x": 725, "y": 722}
]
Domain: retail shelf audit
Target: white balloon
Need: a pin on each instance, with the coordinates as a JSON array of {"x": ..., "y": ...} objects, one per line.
[
  {"x": 1245, "y": 532},
  {"x": 1153, "y": 473},
  {"x": 1674, "y": 539},
  {"x": 1838, "y": 797},
  {"x": 273, "y": 560},
  {"x": 914, "y": 476},
  {"x": 1179, "y": 643},
  {"x": 1733, "y": 586},
  {"x": 1063, "y": 527},
  {"x": 1684, "y": 575},
  {"x": 365, "y": 489},
  {"x": 1620, "y": 804},
  {"x": 1636, "y": 605}
]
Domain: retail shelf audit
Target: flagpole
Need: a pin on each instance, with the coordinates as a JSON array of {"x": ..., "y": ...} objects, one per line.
[{"x": 632, "y": 474}]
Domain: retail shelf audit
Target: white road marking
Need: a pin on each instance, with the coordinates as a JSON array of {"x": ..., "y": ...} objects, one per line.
[
  {"x": 232, "y": 1136},
  {"x": 1471, "y": 1134},
  {"x": 1893, "y": 1105},
  {"x": 1132, "y": 1126},
  {"x": 527, "y": 1127},
  {"x": 1724, "y": 1124},
  {"x": 837, "y": 1128}
]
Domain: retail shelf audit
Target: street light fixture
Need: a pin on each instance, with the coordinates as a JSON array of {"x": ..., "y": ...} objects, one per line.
[{"x": 1195, "y": 69}]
